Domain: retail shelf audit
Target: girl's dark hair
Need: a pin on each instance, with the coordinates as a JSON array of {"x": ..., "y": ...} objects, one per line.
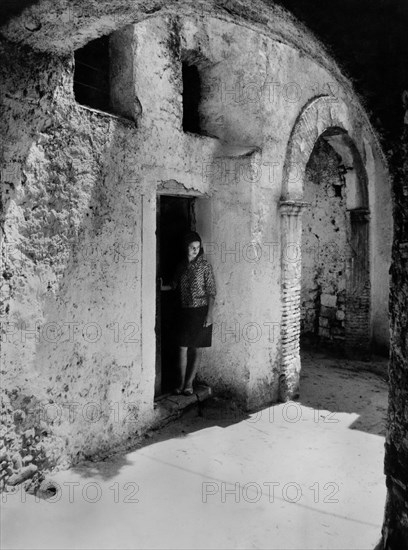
[{"x": 191, "y": 237}]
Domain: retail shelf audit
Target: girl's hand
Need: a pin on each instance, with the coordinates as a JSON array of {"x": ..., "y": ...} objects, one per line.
[
  {"x": 164, "y": 287},
  {"x": 208, "y": 320}
]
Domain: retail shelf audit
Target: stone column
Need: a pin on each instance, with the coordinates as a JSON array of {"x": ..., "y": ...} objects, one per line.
[{"x": 291, "y": 262}]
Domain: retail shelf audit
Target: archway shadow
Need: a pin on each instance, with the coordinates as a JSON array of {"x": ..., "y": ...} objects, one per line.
[{"x": 341, "y": 385}]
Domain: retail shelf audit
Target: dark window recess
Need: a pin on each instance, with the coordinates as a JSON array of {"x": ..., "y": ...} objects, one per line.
[
  {"x": 91, "y": 75},
  {"x": 191, "y": 98}
]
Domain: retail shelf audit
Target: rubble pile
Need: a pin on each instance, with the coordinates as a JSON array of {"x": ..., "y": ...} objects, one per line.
[{"x": 28, "y": 449}]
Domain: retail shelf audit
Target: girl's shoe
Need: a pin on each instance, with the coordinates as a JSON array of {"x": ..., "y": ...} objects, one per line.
[
  {"x": 188, "y": 391},
  {"x": 177, "y": 391}
]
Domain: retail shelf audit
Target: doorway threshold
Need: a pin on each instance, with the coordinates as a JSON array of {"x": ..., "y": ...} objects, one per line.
[{"x": 168, "y": 407}]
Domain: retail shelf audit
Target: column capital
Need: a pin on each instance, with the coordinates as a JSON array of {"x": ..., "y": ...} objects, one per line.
[{"x": 292, "y": 208}]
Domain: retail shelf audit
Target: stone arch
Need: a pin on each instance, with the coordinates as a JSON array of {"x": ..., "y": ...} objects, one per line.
[
  {"x": 327, "y": 117},
  {"x": 318, "y": 116}
]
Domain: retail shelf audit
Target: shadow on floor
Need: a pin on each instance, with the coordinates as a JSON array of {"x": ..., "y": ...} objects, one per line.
[
  {"x": 345, "y": 386},
  {"x": 218, "y": 411},
  {"x": 327, "y": 384}
]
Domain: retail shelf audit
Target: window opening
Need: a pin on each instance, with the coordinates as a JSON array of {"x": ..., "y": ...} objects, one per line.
[
  {"x": 91, "y": 75},
  {"x": 191, "y": 98}
]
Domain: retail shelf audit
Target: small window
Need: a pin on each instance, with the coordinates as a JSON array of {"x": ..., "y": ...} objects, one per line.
[
  {"x": 191, "y": 98},
  {"x": 91, "y": 75}
]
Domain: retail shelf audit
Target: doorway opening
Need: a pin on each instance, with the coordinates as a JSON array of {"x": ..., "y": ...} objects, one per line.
[{"x": 175, "y": 217}]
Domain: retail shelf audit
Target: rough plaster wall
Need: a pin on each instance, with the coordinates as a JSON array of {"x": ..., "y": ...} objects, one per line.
[
  {"x": 254, "y": 93},
  {"x": 72, "y": 241},
  {"x": 245, "y": 356},
  {"x": 80, "y": 193},
  {"x": 72, "y": 294},
  {"x": 324, "y": 248},
  {"x": 122, "y": 53}
]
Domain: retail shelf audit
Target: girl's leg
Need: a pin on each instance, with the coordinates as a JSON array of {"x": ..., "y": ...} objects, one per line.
[
  {"x": 182, "y": 365},
  {"x": 195, "y": 355}
]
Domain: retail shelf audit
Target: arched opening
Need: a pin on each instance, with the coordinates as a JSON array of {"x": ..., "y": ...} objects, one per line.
[
  {"x": 335, "y": 281},
  {"x": 368, "y": 232}
]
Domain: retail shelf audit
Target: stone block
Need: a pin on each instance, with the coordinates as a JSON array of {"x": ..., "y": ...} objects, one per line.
[
  {"x": 324, "y": 332},
  {"x": 24, "y": 474},
  {"x": 329, "y": 312},
  {"x": 328, "y": 300},
  {"x": 340, "y": 315}
]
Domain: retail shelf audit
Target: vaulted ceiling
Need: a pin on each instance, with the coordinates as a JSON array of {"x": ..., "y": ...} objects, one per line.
[
  {"x": 369, "y": 40},
  {"x": 11, "y": 8}
]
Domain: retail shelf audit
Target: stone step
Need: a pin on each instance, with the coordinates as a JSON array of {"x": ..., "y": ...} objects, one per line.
[{"x": 168, "y": 407}]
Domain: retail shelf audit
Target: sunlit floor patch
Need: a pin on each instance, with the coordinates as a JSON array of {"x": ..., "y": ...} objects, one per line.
[{"x": 304, "y": 475}]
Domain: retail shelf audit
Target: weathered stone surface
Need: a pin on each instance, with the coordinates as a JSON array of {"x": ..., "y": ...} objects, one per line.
[
  {"x": 324, "y": 243},
  {"x": 25, "y": 473},
  {"x": 328, "y": 300},
  {"x": 334, "y": 272},
  {"x": 395, "y": 528}
]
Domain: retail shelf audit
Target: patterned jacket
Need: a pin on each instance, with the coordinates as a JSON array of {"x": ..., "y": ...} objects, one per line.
[{"x": 195, "y": 282}]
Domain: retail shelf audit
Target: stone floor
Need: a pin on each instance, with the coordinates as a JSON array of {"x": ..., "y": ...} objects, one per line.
[{"x": 302, "y": 475}]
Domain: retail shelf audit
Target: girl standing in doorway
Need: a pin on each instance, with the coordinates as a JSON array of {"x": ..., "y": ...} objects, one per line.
[{"x": 195, "y": 283}]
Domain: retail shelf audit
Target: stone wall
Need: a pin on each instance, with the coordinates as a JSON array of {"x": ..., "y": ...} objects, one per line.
[
  {"x": 395, "y": 528},
  {"x": 325, "y": 249}
]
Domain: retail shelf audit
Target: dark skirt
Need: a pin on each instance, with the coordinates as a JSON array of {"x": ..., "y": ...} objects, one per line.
[{"x": 191, "y": 332}]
